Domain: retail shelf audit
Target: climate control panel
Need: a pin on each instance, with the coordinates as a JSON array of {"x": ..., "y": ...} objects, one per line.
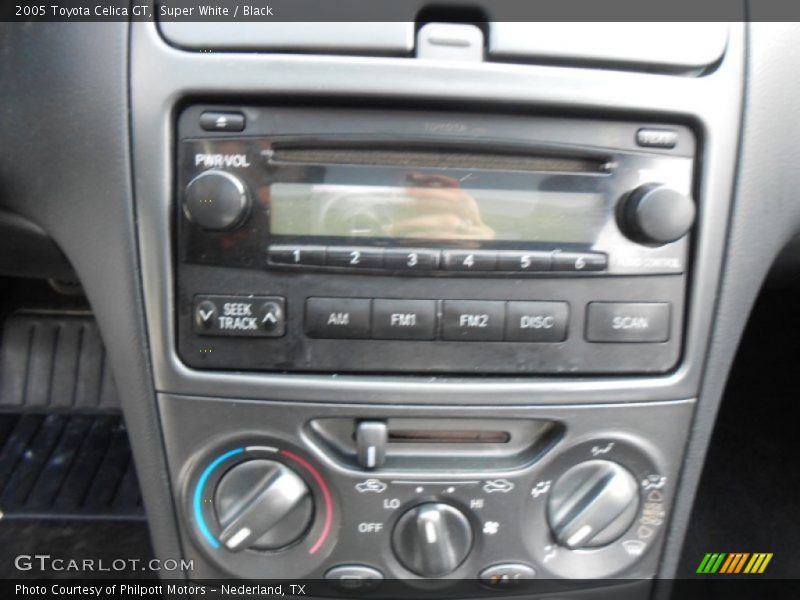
[{"x": 295, "y": 501}]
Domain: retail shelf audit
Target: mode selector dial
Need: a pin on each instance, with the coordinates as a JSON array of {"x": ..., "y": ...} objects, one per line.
[
  {"x": 656, "y": 214},
  {"x": 432, "y": 539},
  {"x": 262, "y": 504},
  {"x": 216, "y": 201},
  {"x": 592, "y": 504}
]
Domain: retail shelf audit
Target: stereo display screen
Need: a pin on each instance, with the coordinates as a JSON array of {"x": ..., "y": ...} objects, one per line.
[{"x": 435, "y": 212}]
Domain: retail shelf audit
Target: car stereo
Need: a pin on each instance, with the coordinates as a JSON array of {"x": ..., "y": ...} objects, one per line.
[{"x": 317, "y": 239}]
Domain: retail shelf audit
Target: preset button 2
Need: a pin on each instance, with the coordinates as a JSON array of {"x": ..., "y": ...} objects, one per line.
[
  {"x": 338, "y": 318},
  {"x": 355, "y": 258}
]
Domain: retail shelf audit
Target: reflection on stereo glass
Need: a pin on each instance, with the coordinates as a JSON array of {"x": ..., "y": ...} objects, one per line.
[{"x": 434, "y": 212}]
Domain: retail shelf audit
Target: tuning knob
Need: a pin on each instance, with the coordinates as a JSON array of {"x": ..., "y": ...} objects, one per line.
[
  {"x": 216, "y": 201},
  {"x": 655, "y": 214},
  {"x": 262, "y": 504},
  {"x": 592, "y": 504},
  {"x": 432, "y": 539}
]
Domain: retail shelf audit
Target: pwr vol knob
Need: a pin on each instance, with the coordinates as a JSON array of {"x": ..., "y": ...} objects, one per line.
[{"x": 216, "y": 201}]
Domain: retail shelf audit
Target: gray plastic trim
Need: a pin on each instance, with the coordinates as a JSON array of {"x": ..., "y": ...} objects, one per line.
[
  {"x": 368, "y": 37},
  {"x": 712, "y": 103},
  {"x": 676, "y": 45}
]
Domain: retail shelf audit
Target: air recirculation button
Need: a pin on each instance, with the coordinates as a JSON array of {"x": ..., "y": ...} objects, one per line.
[{"x": 262, "y": 504}]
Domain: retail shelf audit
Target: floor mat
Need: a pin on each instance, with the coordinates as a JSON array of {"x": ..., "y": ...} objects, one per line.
[
  {"x": 749, "y": 492},
  {"x": 60, "y": 465},
  {"x": 117, "y": 549},
  {"x": 54, "y": 359}
]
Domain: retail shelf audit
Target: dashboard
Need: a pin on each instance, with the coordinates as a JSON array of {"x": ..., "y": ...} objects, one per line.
[{"x": 383, "y": 307}]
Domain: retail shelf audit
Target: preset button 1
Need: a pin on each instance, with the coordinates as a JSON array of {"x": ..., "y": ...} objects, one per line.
[
  {"x": 337, "y": 318},
  {"x": 473, "y": 320},
  {"x": 296, "y": 255}
]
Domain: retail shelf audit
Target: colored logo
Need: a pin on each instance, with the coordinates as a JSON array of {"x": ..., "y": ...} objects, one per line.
[{"x": 734, "y": 563}]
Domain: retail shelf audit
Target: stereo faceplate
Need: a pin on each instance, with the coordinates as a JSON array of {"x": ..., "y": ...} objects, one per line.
[{"x": 265, "y": 281}]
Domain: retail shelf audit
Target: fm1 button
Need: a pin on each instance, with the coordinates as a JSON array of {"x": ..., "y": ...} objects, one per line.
[
  {"x": 473, "y": 320},
  {"x": 536, "y": 321},
  {"x": 338, "y": 318},
  {"x": 403, "y": 319},
  {"x": 498, "y": 576}
]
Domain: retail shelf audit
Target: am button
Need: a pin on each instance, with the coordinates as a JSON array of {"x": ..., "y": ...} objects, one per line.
[{"x": 337, "y": 318}]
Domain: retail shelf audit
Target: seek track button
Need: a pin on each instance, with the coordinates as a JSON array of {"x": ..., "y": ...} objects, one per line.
[{"x": 249, "y": 316}]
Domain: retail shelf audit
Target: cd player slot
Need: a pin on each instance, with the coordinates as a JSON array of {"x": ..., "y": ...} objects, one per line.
[{"x": 437, "y": 159}]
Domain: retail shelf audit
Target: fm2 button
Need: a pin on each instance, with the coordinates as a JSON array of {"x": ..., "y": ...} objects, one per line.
[
  {"x": 240, "y": 316},
  {"x": 473, "y": 320}
]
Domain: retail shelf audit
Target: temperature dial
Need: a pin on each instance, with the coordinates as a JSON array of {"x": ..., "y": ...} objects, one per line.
[
  {"x": 432, "y": 539},
  {"x": 592, "y": 504},
  {"x": 262, "y": 504}
]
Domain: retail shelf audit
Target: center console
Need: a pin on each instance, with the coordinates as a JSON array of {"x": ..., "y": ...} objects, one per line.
[
  {"x": 407, "y": 330},
  {"x": 342, "y": 240}
]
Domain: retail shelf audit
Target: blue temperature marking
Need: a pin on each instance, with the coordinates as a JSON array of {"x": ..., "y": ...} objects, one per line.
[{"x": 198, "y": 495}]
